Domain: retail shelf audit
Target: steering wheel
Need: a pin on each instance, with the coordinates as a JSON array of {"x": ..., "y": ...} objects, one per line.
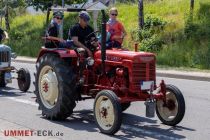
[{"x": 91, "y": 34}]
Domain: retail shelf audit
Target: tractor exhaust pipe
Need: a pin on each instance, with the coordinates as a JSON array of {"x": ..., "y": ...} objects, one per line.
[{"x": 103, "y": 41}]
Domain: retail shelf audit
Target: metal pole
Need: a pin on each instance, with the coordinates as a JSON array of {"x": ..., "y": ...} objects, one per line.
[
  {"x": 103, "y": 42},
  {"x": 61, "y": 28},
  {"x": 141, "y": 14}
]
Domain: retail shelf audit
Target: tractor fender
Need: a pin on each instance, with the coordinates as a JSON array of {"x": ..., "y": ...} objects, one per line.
[{"x": 62, "y": 53}]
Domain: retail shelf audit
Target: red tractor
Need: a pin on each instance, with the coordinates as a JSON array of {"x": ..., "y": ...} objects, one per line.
[{"x": 114, "y": 78}]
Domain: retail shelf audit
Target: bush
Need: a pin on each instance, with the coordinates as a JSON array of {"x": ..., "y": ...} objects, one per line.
[{"x": 149, "y": 36}]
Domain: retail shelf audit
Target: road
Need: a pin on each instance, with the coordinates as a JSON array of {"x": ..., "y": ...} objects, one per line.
[{"x": 18, "y": 111}]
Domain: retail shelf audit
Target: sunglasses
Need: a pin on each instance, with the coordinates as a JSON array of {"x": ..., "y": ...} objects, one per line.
[
  {"x": 59, "y": 18},
  {"x": 114, "y": 14}
]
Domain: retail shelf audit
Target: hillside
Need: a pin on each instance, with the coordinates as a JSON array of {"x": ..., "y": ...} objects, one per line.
[{"x": 169, "y": 31}]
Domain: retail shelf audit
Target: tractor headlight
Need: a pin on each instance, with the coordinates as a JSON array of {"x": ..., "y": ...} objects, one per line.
[{"x": 90, "y": 61}]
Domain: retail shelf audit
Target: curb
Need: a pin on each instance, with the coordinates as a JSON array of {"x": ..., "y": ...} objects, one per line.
[
  {"x": 199, "y": 76},
  {"x": 25, "y": 60},
  {"x": 182, "y": 76}
]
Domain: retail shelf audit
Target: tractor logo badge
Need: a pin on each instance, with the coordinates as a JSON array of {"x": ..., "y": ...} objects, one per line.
[{"x": 45, "y": 87}]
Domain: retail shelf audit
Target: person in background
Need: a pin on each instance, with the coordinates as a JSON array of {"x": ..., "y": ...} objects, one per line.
[
  {"x": 116, "y": 29},
  {"x": 52, "y": 39}
]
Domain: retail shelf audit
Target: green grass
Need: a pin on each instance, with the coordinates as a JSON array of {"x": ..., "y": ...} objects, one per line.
[
  {"x": 25, "y": 34},
  {"x": 186, "y": 44}
]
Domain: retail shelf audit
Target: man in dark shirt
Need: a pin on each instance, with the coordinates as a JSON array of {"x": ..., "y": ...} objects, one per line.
[{"x": 80, "y": 31}]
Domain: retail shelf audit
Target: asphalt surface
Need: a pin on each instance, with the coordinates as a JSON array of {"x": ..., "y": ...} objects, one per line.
[
  {"x": 18, "y": 111},
  {"x": 170, "y": 73}
]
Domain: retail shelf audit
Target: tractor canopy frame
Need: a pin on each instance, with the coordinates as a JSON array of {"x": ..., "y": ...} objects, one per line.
[{"x": 103, "y": 29}]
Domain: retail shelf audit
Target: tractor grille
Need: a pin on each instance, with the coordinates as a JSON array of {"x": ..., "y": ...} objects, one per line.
[
  {"x": 142, "y": 72},
  {"x": 4, "y": 56}
]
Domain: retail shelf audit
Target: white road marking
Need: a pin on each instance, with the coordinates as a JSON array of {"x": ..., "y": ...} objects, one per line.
[
  {"x": 22, "y": 101},
  {"x": 124, "y": 126}
]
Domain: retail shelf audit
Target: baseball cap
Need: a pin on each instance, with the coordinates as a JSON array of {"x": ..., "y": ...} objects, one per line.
[
  {"x": 58, "y": 14},
  {"x": 84, "y": 15}
]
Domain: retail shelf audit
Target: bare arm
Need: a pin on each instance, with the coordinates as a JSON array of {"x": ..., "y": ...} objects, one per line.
[
  {"x": 54, "y": 38},
  {"x": 79, "y": 44},
  {"x": 124, "y": 32}
]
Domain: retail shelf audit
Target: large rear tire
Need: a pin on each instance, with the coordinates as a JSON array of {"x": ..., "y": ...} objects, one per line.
[
  {"x": 107, "y": 112},
  {"x": 173, "y": 111},
  {"x": 54, "y": 87}
]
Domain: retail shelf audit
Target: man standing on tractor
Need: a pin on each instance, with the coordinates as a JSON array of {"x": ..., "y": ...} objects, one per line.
[
  {"x": 52, "y": 39},
  {"x": 80, "y": 31}
]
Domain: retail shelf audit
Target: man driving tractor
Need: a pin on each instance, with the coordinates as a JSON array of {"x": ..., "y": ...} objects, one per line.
[{"x": 80, "y": 31}]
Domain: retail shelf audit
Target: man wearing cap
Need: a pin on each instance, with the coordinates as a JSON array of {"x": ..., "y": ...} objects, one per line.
[
  {"x": 80, "y": 31},
  {"x": 52, "y": 39}
]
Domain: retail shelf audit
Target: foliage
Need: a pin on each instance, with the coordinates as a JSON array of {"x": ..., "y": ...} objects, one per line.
[
  {"x": 10, "y": 9},
  {"x": 148, "y": 36},
  {"x": 44, "y": 4}
]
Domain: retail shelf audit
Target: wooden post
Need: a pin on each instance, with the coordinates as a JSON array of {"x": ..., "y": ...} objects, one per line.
[
  {"x": 191, "y": 9},
  {"x": 141, "y": 14},
  {"x": 192, "y": 5}
]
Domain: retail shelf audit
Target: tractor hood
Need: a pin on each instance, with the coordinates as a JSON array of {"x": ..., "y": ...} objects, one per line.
[{"x": 119, "y": 55}]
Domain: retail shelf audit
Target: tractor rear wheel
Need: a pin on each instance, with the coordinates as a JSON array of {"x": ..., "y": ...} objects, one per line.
[
  {"x": 54, "y": 87},
  {"x": 107, "y": 112},
  {"x": 2, "y": 80},
  {"x": 173, "y": 111}
]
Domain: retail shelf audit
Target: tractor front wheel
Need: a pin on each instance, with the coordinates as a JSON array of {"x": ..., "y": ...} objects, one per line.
[
  {"x": 107, "y": 112},
  {"x": 54, "y": 87},
  {"x": 125, "y": 106},
  {"x": 172, "y": 111}
]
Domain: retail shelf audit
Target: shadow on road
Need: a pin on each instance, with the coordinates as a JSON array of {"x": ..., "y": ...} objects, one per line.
[
  {"x": 10, "y": 92},
  {"x": 83, "y": 120}
]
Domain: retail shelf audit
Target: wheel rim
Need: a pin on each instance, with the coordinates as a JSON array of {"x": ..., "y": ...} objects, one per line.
[
  {"x": 104, "y": 112},
  {"x": 169, "y": 111},
  {"x": 48, "y": 87}
]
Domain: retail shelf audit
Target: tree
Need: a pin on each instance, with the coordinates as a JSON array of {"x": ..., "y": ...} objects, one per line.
[
  {"x": 44, "y": 4},
  {"x": 9, "y": 8}
]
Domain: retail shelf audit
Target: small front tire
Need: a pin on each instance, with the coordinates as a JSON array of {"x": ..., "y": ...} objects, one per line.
[
  {"x": 107, "y": 112},
  {"x": 173, "y": 111},
  {"x": 24, "y": 79},
  {"x": 125, "y": 106}
]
